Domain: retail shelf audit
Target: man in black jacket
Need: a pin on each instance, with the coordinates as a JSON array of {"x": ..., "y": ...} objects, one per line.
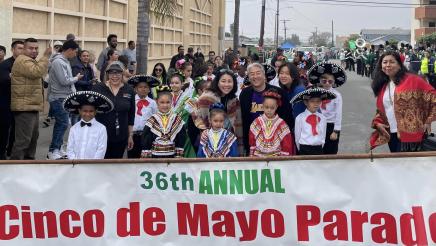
[
  {"x": 251, "y": 100},
  {"x": 175, "y": 58},
  {"x": 5, "y": 99}
]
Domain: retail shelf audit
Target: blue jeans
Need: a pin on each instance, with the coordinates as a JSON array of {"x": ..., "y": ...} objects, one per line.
[
  {"x": 61, "y": 124},
  {"x": 74, "y": 118}
]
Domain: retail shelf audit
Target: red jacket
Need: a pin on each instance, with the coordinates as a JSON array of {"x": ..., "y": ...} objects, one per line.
[{"x": 415, "y": 106}]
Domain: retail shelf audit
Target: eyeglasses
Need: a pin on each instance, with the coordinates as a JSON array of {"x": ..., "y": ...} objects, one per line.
[
  {"x": 325, "y": 81},
  {"x": 158, "y": 70}
]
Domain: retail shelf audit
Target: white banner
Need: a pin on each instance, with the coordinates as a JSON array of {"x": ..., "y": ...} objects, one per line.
[{"x": 329, "y": 202}]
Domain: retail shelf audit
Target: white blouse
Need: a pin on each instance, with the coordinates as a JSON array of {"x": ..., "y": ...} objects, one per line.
[
  {"x": 388, "y": 103},
  {"x": 333, "y": 110}
]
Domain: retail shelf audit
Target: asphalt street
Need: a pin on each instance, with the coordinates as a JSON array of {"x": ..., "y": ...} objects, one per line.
[{"x": 358, "y": 111}]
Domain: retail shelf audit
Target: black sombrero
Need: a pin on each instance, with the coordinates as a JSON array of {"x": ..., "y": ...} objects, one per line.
[
  {"x": 315, "y": 72},
  {"x": 313, "y": 93},
  {"x": 75, "y": 100},
  {"x": 270, "y": 72},
  {"x": 150, "y": 80}
]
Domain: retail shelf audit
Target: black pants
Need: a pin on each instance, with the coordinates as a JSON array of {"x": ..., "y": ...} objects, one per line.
[
  {"x": 330, "y": 146},
  {"x": 7, "y": 131},
  {"x": 359, "y": 66},
  {"x": 115, "y": 150},
  {"x": 394, "y": 143},
  {"x": 310, "y": 150},
  {"x": 137, "y": 147}
]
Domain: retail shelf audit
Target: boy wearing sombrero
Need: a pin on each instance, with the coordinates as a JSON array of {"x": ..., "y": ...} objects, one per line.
[
  {"x": 145, "y": 108},
  {"x": 88, "y": 137},
  {"x": 310, "y": 126},
  {"x": 330, "y": 76}
]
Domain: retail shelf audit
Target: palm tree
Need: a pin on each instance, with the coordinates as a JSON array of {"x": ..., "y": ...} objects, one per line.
[
  {"x": 236, "y": 27},
  {"x": 160, "y": 9}
]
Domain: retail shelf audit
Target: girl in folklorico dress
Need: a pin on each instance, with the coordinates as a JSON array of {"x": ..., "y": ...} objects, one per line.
[
  {"x": 269, "y": 134},
  {"x": 178, "y": 103},
  {"x": 217, "y": 142},
  {"x": 164, "y": 133},
  {"x": 184, "y": 68},
  {"x": 329, "y": 76},
  {"x": 145, "y": 108},
  {"x": 311, "y": 125}
]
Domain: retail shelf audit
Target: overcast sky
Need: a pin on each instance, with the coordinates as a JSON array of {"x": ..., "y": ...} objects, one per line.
[{"x": 305, "y": 17}]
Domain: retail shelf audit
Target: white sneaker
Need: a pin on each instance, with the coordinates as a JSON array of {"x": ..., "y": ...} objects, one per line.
[
  {"x": 55, "y": 155},
  {"x": 63, "y": 151}
]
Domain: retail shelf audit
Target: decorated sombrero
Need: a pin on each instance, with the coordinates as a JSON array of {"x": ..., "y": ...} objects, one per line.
[
  {"x": 270, "y": 72},
  {"x": 313, "y": 93},
  {"x": 150, "y": 80},
  {"x": 75, "y": 100},
  {"x": 315, "y": 72}
]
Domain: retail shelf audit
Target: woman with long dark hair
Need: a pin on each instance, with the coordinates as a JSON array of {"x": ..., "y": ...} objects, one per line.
[
  {"x": 406, "y": 106},
  {"x": 289, "y": 80},
  {"x": 222, "y": 90},
  {"x": 160, "y": 73}
]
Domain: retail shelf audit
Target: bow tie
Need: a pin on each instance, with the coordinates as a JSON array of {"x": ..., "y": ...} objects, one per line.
[
  {"x": 313, "y": 120},
  {"x": 324, "y": 104},
  {"x": 82, "y": 124},
  {"x": 141, "y": 104}
]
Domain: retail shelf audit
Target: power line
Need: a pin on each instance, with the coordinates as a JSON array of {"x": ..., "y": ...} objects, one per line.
[
  {"x": 354, "y": 5},
  {"x": 376, "y": 3}
]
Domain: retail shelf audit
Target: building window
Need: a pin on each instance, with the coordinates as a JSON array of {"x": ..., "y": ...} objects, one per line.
[
  {"x": 432, "y": 2},
  {"x": 432, "y": 24}
]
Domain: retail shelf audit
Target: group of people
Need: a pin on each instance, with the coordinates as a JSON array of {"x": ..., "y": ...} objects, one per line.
[{"x": 223, "y": 107}]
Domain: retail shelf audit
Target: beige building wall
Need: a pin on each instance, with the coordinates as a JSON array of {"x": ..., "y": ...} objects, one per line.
[{"x": 197, "y": 23}]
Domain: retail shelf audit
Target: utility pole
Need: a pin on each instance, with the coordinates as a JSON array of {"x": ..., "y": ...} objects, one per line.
[
  {"x": 316, "y": 36},
  {"x": 262, "y": 32},
  {"x": 333, "y": 35},
  {"x": 284, "y": 24},
  {"x": 276, "y": 43}
]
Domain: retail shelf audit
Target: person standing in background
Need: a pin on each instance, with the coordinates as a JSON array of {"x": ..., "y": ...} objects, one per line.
[
  {"x": 180, "y": 55},
  {"x": 61, "y": 84},
  {"x": 7, "y": 122},
  {"x": 112, "y": 41},
  {"x": 2, "y": 53},
  {"x": 27, "y": 98},
  {"x": 130, "y": 53}
]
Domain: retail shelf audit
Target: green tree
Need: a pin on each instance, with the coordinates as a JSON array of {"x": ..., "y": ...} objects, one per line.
[
  {"x": 160, "y": 9},
  {"x": 295, "y": 39},
  {"x": 320, "y": 39}
]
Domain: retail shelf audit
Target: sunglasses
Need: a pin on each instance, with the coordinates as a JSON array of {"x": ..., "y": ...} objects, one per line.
[
  {"x": 158, "y": 70},
  {"x": 327, "y": 81}
]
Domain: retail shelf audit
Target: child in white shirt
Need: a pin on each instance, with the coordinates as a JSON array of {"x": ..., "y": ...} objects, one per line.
[
  {"x": 88, "y": 137},
  {"x": 311, "y": 125},
  {"x": 329, "y": 76},
  {"x": 145, "y": 108}
]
